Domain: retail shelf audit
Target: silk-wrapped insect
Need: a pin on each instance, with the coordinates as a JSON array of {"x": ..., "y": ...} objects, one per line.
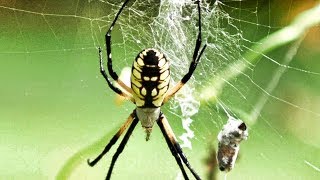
[{"x": 232, "y": 133}]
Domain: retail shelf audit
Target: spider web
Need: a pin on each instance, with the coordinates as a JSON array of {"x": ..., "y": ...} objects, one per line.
[{"x": 52, "y": 45}]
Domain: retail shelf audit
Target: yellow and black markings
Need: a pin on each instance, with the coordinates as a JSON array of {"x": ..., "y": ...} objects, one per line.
[{"x": 150, "y": 78}]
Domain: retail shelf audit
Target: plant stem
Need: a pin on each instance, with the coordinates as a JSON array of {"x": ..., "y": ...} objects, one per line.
[{"x": 75, "y": 160}]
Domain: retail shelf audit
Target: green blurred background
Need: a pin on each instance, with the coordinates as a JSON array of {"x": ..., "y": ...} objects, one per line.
[{"x": 54, "y": 103}]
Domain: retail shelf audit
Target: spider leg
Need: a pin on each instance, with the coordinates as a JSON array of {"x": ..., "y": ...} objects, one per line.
[
  {"x": 112, "y": 73},
  {"x": 113, "y": 140},
  {"x": 174, "y": 145},
  {"x": 195, "y": 59},
  {"x": 172, "y": 149},
  {"x": 121, "y": 146},
  {"x": 114, "y": 88}
]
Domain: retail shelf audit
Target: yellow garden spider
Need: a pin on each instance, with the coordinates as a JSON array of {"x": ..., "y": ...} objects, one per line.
[{"x": 150, "y": 77}]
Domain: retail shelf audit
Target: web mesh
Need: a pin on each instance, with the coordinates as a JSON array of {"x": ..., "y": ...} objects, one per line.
[{"x": 277, "y": 93}]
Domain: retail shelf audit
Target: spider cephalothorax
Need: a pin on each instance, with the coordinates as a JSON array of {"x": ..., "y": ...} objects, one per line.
[{"x": 150, "y": 78}]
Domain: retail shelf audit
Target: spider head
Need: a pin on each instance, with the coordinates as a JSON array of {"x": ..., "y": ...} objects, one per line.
[{"x": 147, "y": 117}]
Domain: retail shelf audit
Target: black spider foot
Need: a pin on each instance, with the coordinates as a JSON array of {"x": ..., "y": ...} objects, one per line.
[{"x": 90, "y": 163}]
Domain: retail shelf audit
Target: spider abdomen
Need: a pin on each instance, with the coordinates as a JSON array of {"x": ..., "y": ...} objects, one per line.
[{"x": 150, "y": 78}]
